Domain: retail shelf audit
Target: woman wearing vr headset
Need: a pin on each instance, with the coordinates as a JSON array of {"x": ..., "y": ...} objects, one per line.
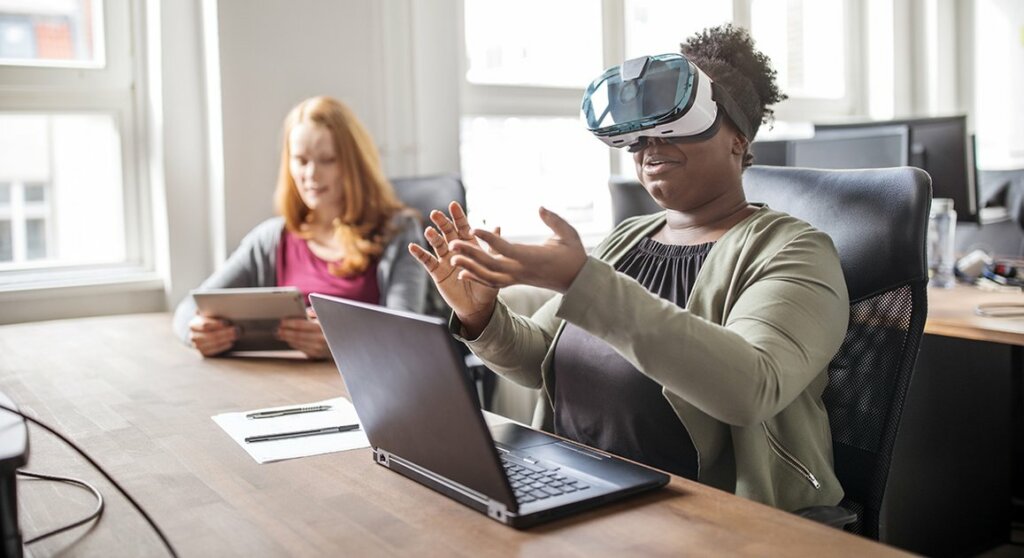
[
  {"x": 341, "y": 232},
  {"x": 695, "y": 340}
]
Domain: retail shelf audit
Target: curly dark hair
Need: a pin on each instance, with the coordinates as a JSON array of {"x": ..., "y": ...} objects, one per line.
[{"x": 728, "y": 56}]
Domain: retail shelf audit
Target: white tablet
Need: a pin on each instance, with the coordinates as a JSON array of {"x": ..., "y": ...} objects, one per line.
[{"x": 256, "y": 312}]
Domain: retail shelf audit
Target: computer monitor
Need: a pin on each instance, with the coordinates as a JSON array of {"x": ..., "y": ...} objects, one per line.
[
  {"x": 940, "y": 146},
  {"x": 838, "y": 149},
  {"x": 772, "y": 153},
  {"x": 864, "y": 148}
]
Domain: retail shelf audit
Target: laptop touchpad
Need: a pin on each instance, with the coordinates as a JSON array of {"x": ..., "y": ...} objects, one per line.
[{"x": 513, "y": 436}]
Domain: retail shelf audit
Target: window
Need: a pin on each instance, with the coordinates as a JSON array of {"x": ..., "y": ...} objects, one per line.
[
  {"x": 561, "y": 49},
  {"x": 658, "y": 26},
  {"x": 52, "y": 32},
  {"x": 998, "y": 24},
  {"x": 805, "y": 41},
  {"x": 71, "y": 200},
  {"x": 540, "y": 161},
  {"x": 522, "y": 144}
]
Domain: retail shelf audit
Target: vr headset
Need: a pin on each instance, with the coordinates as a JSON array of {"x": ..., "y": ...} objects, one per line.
[{"x": 664, "y": 96}]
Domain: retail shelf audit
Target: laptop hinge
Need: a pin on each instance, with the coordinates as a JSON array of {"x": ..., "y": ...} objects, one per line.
[
  {"x": 495, "y": 509},
  {"x": 382, "y": 457}
]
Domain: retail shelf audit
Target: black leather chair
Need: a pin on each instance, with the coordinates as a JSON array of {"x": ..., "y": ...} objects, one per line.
[
  {"x": 878, "y": 219},
  {"x": 425, "y": 194},
  {"x": 629, "y": 198}
]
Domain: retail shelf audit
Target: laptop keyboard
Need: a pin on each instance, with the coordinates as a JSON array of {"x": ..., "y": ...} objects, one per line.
[{"x": 534, "y": 482}]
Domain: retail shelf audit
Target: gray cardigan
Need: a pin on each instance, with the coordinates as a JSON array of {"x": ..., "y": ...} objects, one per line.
[{"x": 402, "y": 281}]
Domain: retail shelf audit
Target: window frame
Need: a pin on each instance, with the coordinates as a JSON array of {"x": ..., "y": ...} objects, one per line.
[
  {"x": 115, "y": 90},
  {"x": 490, "y": 100}
]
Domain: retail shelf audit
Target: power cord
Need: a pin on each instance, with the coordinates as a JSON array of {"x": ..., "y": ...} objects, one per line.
[
  {"x": 142, "y": 512},
  {"x": 77, "y": 482}
]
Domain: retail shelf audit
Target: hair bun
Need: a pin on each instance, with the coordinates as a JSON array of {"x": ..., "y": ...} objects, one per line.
[{"x": 728, "y": 56}]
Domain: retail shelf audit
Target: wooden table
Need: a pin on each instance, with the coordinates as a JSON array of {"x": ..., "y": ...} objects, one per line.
[
  {"x": 139, "y": 402},
  {"x": 951, "y": 313}
]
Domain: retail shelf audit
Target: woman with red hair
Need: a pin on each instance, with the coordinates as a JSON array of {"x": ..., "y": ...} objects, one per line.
[{"x": 341, "y": 232}]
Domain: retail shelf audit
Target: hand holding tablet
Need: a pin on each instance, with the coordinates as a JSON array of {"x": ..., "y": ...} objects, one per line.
[{"x": 250, "y": 316}]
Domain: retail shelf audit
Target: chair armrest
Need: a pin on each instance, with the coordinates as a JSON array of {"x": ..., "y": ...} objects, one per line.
[{"x": 833, "y": 516}]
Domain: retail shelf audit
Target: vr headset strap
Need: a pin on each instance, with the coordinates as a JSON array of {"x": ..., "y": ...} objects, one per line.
[{"x": 722, "y": 97}]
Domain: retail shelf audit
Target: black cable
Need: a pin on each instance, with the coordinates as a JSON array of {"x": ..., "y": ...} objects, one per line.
[
  {"x": 103, "y": 472},
  {"x": 69, "y": 480}
]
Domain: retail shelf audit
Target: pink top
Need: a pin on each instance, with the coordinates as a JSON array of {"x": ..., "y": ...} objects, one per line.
[{"x": 298, "y": 266}]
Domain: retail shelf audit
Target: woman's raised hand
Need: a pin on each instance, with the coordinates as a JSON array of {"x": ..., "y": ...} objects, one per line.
[
  {"x": 552, "y": 265},
  {"x": 472, "y": 301}
]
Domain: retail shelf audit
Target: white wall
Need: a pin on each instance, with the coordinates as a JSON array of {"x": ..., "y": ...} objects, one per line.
[
  {"x": 219, "y": 138},
  {"x": 178, "y": 161},
  {"x": 383, "y": 58}
]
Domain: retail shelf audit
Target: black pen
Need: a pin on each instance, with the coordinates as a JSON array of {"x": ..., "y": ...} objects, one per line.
[
  {"x": 302, "y": 433},
  {"x": 290, "y": 411}
]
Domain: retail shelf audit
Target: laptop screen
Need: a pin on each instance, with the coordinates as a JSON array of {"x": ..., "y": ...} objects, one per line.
[{"x": 412, "y": 392}]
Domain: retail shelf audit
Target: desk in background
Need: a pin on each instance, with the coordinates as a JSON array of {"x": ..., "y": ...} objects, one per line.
[
  {"x": 949, "y": 491},
  {"x": 951, "y": 314},
  {"x": 138, "y": 401}
]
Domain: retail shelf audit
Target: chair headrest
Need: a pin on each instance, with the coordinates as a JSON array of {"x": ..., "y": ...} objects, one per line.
[
  {"x": 427, "y": 193},
  {"x": 877, "y": 218}
]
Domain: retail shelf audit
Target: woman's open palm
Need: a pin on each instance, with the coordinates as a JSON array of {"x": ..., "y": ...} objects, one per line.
[{"x": 472, "y": 301}]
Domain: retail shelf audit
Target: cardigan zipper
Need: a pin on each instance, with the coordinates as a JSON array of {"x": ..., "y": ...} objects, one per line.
[{"x": 789, "y": 459}]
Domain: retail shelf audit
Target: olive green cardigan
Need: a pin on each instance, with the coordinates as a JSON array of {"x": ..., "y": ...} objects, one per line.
[{"x": 743, "y": 365}]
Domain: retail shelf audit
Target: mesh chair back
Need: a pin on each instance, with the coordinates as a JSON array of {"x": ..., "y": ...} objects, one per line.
[{"x": 878, "y": 221}]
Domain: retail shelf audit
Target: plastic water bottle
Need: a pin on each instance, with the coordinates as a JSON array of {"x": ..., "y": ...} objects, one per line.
[{"x": 941, "y": 233}]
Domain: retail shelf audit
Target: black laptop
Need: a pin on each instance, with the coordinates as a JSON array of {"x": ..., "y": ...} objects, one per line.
[{"x": 420, "y": 411}]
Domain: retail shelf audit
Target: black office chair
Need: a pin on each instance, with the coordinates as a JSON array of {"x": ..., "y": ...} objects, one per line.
[
  {"x": 629, "y": 198},
  {"x": 425, "y": 194},
  {"x": 878, "y": 220}
]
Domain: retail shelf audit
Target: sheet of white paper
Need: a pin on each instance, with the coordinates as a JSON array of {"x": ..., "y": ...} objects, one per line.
[{"x": 238, "y": 426}]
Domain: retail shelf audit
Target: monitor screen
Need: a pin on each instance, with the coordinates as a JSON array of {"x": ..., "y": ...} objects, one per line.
[
  {"x": 772, "y": 153},
  {"x": 940, "y": 146},
  {"x": 868, "y": 148}
]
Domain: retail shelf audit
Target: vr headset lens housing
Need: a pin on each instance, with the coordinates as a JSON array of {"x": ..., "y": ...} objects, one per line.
[
  {"x": 612, "y": 104},
  {"x": 663, "y": 96}
]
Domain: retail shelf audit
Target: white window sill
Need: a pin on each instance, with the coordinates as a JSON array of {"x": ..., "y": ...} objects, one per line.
[{"x": 58, "y": 298}]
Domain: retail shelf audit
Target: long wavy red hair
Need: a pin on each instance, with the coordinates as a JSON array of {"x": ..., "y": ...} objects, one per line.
[{"x": 369, "y": 201}]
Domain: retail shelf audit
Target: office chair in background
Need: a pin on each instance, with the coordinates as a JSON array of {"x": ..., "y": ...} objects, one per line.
[
  {"x": 425, "y": 194},
  {"x": 629, "y": 198},
  {"x": 878, "y": 220}
]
